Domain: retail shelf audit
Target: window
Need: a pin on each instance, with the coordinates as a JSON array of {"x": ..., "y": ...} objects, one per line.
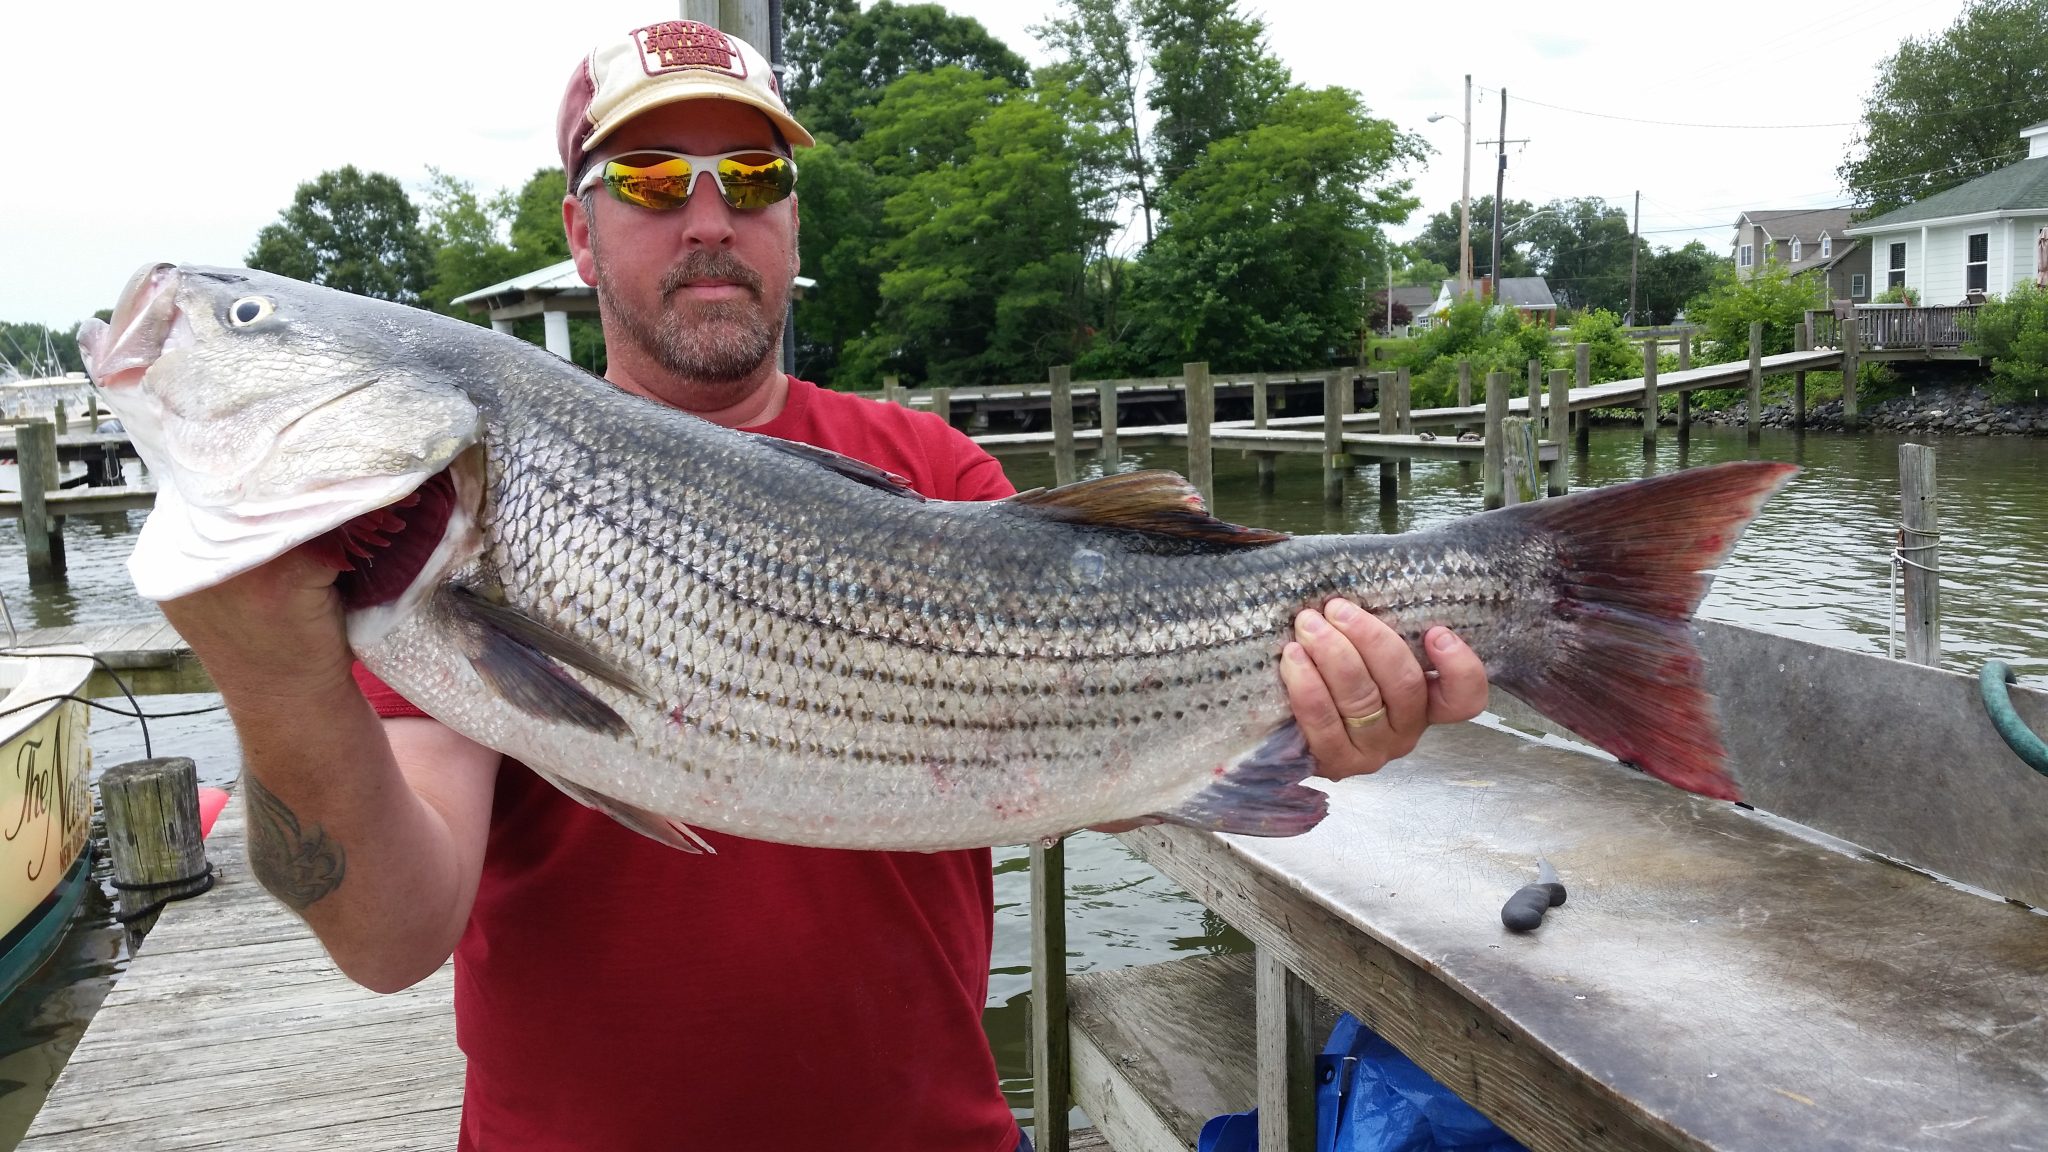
[
  {"x": 1857, "y": 289},
  {"x": 1896, "y": 275},
  {"x": 1827, "y": 246},
  {"x": 1796, "y": 249},
  {"x": 1745, "y": 256},
  {"x": 1977, "y": 270}
]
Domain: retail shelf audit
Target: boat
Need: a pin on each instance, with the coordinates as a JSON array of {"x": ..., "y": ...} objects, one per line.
[{"x": 45, "y": 805}]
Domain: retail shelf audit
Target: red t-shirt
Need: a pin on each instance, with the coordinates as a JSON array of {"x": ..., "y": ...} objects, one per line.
[{"x": 613, "y": 993}]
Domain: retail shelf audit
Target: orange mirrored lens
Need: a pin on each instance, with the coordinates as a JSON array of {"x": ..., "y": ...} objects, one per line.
[{"x": 748, "y": 181}]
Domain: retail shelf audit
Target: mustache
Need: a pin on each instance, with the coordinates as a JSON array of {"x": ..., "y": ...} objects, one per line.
[{"x": 710, "y": 266}]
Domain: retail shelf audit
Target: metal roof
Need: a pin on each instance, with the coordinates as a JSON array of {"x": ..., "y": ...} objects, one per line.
[
  {"x": 2016, "y": 188},
  {"x": 554, "y": 280}
]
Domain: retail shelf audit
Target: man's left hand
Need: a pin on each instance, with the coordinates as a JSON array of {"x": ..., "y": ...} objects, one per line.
[{"x": 1360, "y": 695}]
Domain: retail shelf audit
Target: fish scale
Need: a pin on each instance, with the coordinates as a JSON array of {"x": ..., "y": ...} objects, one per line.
[{"x": 684, "y": 625}]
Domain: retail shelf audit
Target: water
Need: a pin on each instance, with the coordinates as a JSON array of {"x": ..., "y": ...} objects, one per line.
[{"x": 1815, "y": 565}]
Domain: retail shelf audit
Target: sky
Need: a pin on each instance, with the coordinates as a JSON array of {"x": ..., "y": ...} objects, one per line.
[{"x": 177, "y": 131}]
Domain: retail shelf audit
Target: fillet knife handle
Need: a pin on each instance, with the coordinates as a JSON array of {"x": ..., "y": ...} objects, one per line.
[{"x": 1524, "y": 910}]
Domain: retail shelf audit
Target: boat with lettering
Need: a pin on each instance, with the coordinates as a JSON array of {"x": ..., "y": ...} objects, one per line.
[{"x": 45, "y": 805}]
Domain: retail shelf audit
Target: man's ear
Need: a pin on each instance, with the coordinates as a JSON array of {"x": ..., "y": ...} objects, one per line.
[{"x": 576, "y": 226}]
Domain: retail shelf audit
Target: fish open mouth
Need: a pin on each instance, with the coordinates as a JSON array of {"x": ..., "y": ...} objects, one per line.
[{"x": 381, "y": 553}]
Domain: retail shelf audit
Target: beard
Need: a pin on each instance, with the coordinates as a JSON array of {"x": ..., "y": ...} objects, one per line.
[{"x": 714, "y": 347}]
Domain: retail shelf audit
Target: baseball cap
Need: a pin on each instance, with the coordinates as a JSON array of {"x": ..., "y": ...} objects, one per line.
[{"x": 662, "y": 64}]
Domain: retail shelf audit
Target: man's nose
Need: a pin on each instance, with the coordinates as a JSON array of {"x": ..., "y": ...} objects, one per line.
[{"x": 706, "y": 217}]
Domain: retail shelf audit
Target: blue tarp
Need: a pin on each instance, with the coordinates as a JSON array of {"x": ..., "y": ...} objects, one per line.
[{"x": 1370, "y": 1098}]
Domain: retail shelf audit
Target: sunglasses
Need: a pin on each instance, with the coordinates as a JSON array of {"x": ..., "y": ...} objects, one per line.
[{"x": 748, "y": 180}]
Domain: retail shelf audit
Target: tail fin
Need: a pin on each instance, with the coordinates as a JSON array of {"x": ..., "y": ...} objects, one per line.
[{"x": 1633, "y": 563}]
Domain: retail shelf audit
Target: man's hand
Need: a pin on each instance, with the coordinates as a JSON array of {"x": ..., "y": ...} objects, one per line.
[
  {"x": 1360, "y": 696},
  {"x": 272, "y": 631}
]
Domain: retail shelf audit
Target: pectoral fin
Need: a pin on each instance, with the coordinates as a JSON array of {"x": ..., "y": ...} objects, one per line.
[{"x": 522, "y": 662}]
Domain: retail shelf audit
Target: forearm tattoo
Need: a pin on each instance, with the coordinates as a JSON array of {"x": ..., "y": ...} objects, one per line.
[{"x": 297, "y": 865}]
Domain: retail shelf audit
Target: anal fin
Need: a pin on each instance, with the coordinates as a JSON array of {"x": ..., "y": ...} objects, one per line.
[
  {"x": 652, "y": 825},
  {"x": 1262, "y": 794}
]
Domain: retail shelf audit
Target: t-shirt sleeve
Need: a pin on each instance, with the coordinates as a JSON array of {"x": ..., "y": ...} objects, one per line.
[{"x": 383, "y": 698}]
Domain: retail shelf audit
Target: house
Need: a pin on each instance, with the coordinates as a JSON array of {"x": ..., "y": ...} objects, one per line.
[
  {"x": 1974, "y": 240},
  {"x": 1806, "y": 240},
  {"x": 1528, "y": 295},
  {"x": 1412, "y": 299}
]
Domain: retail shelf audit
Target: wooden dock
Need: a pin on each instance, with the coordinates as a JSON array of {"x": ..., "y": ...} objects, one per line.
[
  {"x": 1719, "y": 980},
  {"x": 148, "y": 654},
  {"x": 231, "y": 1029}
]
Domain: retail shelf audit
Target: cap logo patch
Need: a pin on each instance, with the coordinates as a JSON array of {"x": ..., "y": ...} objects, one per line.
[{"x": 678, "y": 45}]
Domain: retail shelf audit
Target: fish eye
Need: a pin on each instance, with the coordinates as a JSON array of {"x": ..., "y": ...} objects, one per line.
[{"x": 247, "y": 311}]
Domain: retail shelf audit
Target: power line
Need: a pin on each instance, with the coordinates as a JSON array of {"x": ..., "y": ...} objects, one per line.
[{"x": 1684, "y": 123}]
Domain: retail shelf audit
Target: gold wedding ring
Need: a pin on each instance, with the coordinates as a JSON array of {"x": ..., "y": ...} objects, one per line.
[{"x": 1365, "y": 721}]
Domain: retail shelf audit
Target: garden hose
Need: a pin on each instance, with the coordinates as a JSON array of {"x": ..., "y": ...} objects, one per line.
[{"x": 1991, "y": 683}]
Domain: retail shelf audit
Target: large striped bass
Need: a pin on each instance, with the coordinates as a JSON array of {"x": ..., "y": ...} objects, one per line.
[{"x": 689, "y": 626}]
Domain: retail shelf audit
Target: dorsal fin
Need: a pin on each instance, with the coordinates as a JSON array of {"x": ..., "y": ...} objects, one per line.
[
  {"x": 1154, "y": 503},
  {"x": 858, "y": 471}
]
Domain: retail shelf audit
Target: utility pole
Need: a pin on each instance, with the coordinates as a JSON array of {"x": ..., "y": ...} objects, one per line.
[
  {"x": 1500, "y": 181},
  {"x": 1635, "y": 247},
  {"x": 1465, "y": 203}
]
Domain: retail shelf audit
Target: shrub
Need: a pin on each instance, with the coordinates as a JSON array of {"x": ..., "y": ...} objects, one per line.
[
  {"x": 1492, "y": 340},
  {"x": 1771, "y": 295},
  {"x": 2013, "y": 332},
  {"x": 1613, "y": 356}
]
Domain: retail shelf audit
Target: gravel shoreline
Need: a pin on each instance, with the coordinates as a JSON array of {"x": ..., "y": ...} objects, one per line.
[{"x": 1959, "y": 410}]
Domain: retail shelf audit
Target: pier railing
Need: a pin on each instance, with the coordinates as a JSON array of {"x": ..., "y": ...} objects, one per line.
[{"x": 1881, "y": 326}]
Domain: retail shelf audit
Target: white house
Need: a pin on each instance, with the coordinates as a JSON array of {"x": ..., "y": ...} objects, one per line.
[{"x": 1976, "y": 239}]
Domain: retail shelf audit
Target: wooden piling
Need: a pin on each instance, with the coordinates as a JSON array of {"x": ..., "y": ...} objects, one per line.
[
  {"x": 60, "y": 418},
  {"x": 1802, "y": 340},
  {"x": 1105, "y": 419},
  {"x": 1201, "y": 395},
  {"x": 1684, "y": 351},
  {"x": 1535, "y": 370},
  {"x": 1063, "y": 469},
  {"x": 942, "y": 403},
  {"x": 1284, "y": 1012},
  {"x": 1650, "y": 403},
  {"x": 1259, "y": 415},
  {"x": 1051, "y": 1083},
  {"x": 1335, "y": 462},
  {"x": 1390, "y": 424},
  {"x": 1582, "y": 377},
  {"x": 1852, "y": 357},
  {"x": 1754, "y": 422},
  {"x": 892, "y": 389},
  {"x": 1560, "y": 421},
  {"x": 1684, "y": 397},
  {"x": 1520, "y": 482},
  {"x": 1920, "y": 549},
  {"x": 152, "y": 809},
  {"x": 42, "y": 535},
  {"x": 1490, "y": 467},
  {"x": 1464, "y": 383},
  {"x": 1404, "y": 416}
]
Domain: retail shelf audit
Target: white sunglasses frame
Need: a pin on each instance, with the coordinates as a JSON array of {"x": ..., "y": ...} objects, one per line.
[{"x": 699, "y": 165}]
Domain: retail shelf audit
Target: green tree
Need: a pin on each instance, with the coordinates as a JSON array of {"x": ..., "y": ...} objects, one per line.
[
  {"x": 466, "y": 233},
  {"x": 1490, "y": 339},
  {"x": 34, "y": 350},
  {"x": 1611, "y": 355},
  {"x": 1771, "y": 294},
  {"x": 1269, "y": 238},
  {"x": 1097, "y": 49},
  {"x": 1212, "y": 76},
  {"x": 536, "y": 226},
  {"x": 1581, "y": 248},
  {"x": 1949, "y": 108},
  {"x": 351, "y": 230},
  {"x": 839, "y": 197},
  {"x": 983, "y": 258},
  {"x": 890, "y": 41},
  {"x": 809, "y": 30},
  {"x": 1438, "y": 241},
  {"x": 2012, "y": 332},
  {"x": 1671, "y": 277}
]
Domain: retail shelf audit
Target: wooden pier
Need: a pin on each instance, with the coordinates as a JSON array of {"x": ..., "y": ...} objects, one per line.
[
  {"x": 149, "y": 656},
  {"x": 1719, "y": 979}
]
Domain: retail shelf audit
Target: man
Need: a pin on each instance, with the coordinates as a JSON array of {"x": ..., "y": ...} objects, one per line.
[{"x": 613, "y": 993}]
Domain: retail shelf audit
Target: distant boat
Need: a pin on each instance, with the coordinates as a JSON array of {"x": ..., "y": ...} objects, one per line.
[{"x": 45, "y": 805}]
